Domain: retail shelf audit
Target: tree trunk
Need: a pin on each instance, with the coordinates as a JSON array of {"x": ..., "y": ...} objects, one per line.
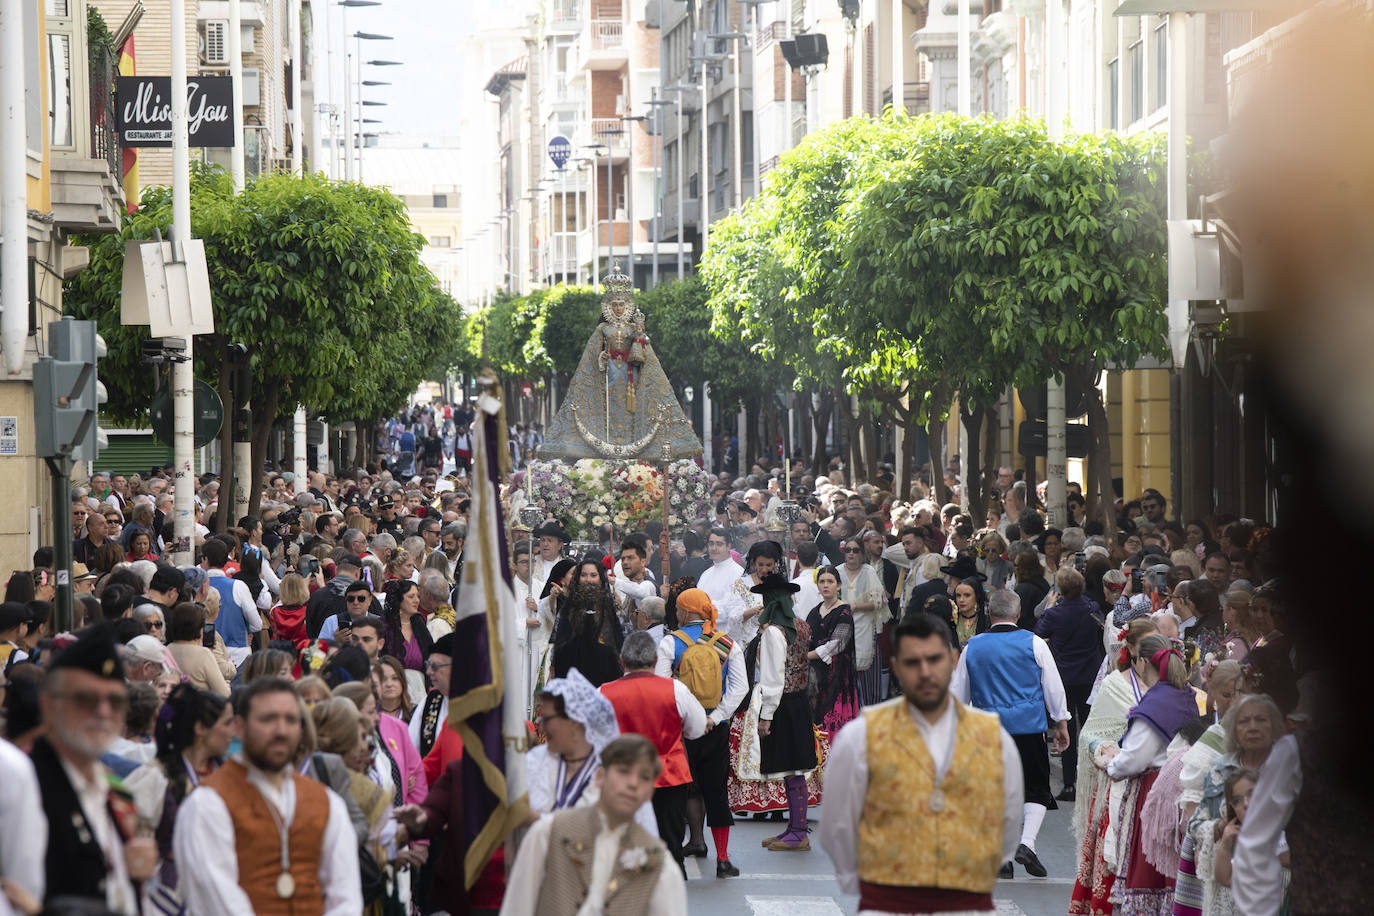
[
  {"x": 751, "y": 435},
  {"x": 855, "y": 447},
  {"x": 820, "y": 419},
  {"x": 990, "y": 453},
  {"x": 972, "y": 419},
  {"x": 226, "y": 435},
  {"x": 935, "y": 432},
  {"x": 1101, "y": 459},
  {"x": 362, "y": 432},
  {"x": 264, "y": 415},
  {"x": 804, "y": 434},
  {"x": 872, "y": 447}
]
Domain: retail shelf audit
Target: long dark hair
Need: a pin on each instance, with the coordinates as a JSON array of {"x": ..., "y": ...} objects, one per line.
[
  {"x": 176, "y": 729},
  {"x": 591, "y": 607},
  {"x": 763, "y": 548},
  {"x": 393, "y": 643}
]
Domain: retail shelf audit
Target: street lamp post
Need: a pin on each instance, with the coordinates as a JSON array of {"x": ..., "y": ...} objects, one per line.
[
  {"x": 591, "y": 207},
  {"x": 681, "y": 188},
  {"x": 610, "y": 201},
  {"x": 704, "y": 217},
  {"x": 348, "y": 82},
  {"x": 737, "y": 164}
]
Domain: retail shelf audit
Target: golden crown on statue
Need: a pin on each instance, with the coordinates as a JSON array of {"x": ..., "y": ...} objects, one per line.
[{"x": 617, "y": 284}]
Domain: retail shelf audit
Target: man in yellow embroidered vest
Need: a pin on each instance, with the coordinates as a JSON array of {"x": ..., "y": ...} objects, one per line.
[
  {"x": 257, "y": 836},
  {"x": 922, "y": 793},
  {"x": 597, "y": 860}
]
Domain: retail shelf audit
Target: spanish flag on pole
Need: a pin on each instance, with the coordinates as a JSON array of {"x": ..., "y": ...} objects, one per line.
[
  {"x": 130, "y": 161},
  {"x": 485, "y": 656}
]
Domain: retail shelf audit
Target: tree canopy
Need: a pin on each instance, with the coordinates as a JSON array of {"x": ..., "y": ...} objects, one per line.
[
  {"x": 911, "y": 261},
  {"x": 321, "y": 280}
]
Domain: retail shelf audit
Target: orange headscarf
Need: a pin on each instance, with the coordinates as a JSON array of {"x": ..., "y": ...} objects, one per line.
[{"x": 699, "y": 603}]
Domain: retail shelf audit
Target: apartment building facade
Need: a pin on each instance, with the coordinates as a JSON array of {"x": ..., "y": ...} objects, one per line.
[
  {"x": 73, "y": 187},
  {"x": 266, "y": 82}
]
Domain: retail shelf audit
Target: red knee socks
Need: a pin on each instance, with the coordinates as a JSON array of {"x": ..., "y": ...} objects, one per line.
[{"x": 721, "y": 837}]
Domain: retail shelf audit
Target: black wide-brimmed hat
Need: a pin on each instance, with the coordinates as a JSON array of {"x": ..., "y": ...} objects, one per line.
[
  {"x": 774, "y": 582},
  {"x": 552, "y": 529},
  {"x": 963, "y": 567}
]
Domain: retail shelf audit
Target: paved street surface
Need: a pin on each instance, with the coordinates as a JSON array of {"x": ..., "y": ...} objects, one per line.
[{"x": 803, "y": 883}]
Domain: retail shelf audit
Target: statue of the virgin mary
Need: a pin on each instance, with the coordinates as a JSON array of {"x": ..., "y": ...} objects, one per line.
[{"x": 620, "y": 405}]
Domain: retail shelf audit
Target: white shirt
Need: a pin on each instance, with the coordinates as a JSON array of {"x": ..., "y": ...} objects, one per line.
[
  {"x": 527, "y": 878},
  {"x": 809, "y": 596},
  {"x": 1051, "y": 684},
  {"x": 771, "y": 671},
  {"x": 203, "y": 842},
  {"x": 418, "y": 716},
  {"x": 94, "y": 796},
  {"x": 24, "y": 841},
  {"x": 736, "y": 680},
  {"x": 896, "y": 554},
  {"x": 864, "y": 587},
  {"x": 630, "y": 593},
  {"x": 539, "y": 573},
  {"x": 717, "y": 580},
  {"x": 846, "y": 784},
  {"x": 541, "y": 777},
  {"x": 1142, "y": 748},
  {"x": 251, "y": 618},
  {"x": 1257, "y": 877}
]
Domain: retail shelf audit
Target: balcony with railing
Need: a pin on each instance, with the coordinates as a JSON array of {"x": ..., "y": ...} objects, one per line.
[
  {"x": 86, "y": 165},
  {"x": 601, "y": 45},
  {"x": 565, "y": 16}
]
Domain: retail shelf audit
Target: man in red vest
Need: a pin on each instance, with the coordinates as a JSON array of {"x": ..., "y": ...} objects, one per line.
[{"x": 663, "y": 710}]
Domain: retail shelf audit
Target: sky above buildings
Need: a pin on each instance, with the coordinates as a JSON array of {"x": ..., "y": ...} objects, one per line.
[{"x": 425, "y": 95}]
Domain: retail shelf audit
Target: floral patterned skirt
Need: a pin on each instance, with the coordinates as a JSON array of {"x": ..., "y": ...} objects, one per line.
[
  {"x": 1093, "y": 886},
  {"x": 757, "y": 796}
]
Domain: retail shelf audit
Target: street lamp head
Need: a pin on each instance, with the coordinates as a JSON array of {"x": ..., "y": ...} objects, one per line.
[
  {"x": 375, "y": 83},
  {"x": 383, "y": 63},
  {"x": 727, "y": 36},
  {"x": 371, "y": 36},
  {"x": 357, "y": 3},
  {"x": 372, "y": 104}
]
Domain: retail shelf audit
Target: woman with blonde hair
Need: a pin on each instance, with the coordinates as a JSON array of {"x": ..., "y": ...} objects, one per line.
[{"x": 400, "y": 566}]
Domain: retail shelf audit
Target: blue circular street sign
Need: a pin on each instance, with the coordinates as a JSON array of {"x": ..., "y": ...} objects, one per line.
[{"x": 560, "y": 150}]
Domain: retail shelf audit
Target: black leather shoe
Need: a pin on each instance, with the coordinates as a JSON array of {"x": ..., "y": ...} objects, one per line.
[
  {"x": 725, "y": 870},
  {"x": 694, "y": 851},
  {"x": 1069, "y": 794},
  {"x": 1027, "y": 859},
  {"x": 1006, "y": 871}
]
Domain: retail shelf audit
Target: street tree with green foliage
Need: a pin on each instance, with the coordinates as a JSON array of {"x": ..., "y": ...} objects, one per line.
[
  {"x": 320, "y": 280},
  {"x": 1015, "y": 256}
]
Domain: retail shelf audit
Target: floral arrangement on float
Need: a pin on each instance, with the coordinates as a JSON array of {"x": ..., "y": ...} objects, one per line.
[{"x": 629, "y": 494}]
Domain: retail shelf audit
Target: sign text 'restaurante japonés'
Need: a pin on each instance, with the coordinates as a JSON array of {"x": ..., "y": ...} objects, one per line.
[{"x": 143, "y": 107}]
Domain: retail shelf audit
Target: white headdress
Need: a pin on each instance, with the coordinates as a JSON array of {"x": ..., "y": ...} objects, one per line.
[{"x": 584, "y": 703}]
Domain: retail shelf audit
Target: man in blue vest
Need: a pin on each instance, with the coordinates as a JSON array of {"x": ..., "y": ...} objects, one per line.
[
  {"x": 1011, "y": 672},
  {"x": 239, "y": 622}
]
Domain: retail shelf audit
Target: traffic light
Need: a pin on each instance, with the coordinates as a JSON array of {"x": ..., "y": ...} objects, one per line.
[{"x": 66, "y": 393}]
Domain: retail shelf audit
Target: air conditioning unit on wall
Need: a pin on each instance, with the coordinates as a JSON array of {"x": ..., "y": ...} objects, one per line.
[{"x": 214, "y": 42}]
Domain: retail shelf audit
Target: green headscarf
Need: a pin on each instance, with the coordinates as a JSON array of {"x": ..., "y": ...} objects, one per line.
[{"x": 777, "y": 610}]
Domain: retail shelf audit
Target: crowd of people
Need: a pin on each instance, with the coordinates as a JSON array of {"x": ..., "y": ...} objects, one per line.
[{"x": 272, "y": 718}]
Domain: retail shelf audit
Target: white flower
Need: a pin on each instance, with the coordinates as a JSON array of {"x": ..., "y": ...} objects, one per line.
[
  {"x": 598, "y": 520},
  {"x": 632, "y": 859}
]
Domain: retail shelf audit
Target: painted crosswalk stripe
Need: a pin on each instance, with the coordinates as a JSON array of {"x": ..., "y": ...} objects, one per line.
[{"x": 793, "y": 906}]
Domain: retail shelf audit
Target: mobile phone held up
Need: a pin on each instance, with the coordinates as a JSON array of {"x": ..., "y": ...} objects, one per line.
[{"x": 207, "y": 636}]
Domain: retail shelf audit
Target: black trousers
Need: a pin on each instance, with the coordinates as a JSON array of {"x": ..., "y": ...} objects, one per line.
[
  {"x": 1035, "y": 768},
  {"x": 1077, "y": 695},
  {"x": 709, "y": 758},
  {"x": 670, "y": 811}
]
